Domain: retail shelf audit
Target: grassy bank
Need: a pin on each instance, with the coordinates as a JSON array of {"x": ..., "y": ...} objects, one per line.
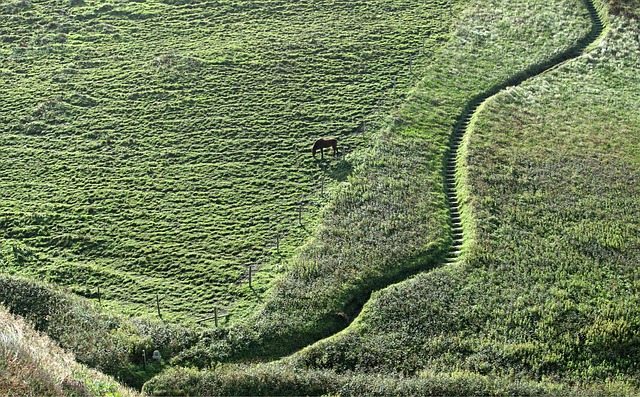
[
  {"x": 279, "y": 380},
  {"x": 108, "y": 342},
  {"x": 32, "y": 364},
  {"x": 161, "y": 147}
]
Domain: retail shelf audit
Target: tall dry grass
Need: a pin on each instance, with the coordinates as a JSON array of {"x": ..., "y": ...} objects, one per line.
[{"x": 32, "y": 364}]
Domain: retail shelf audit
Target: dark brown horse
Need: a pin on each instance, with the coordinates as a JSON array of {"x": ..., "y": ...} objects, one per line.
[{"x": 325, "y": 143}]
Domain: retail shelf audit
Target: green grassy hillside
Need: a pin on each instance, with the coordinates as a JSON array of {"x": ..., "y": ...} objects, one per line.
[
  {"x": 547, "y": 288},
  {"x": 544, "y": 300},
  {"x": 159, "y": 147},
  {"x": 391, "y": 219},
  {"x": 163, "y": 146}
]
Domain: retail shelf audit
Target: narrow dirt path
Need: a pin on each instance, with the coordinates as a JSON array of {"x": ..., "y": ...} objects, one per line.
[{"x": 450, "y": 167}]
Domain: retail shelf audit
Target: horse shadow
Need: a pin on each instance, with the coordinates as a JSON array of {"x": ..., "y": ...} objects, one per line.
[{"x": 341, "y": 170}]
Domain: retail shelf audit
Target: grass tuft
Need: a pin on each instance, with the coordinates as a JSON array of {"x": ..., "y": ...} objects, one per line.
[{"x": 32, "y": 364}]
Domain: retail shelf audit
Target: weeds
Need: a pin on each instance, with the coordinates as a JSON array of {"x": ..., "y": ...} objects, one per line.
[{"x": 31, "y": 364}]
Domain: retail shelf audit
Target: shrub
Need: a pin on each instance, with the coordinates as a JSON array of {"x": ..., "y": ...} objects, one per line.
[
  {"x": 32, "y": 364},
  {"x": 107, "y": 342}
]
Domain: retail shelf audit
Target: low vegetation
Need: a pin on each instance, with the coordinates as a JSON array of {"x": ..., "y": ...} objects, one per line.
[
  {"x": 161, "y": 147},
  {"x": 279, "y": 380},
  {"x": 110, "y": 343},
  {"x": 31, "y": 364}
]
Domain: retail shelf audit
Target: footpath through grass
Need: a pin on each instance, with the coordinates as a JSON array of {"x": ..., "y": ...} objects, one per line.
[
  {"x": 548, "y": 290},
  {"x": 475, "y": 327},
  {"x": 161, "y": 147},
  {"x": 391, "y": 219}
]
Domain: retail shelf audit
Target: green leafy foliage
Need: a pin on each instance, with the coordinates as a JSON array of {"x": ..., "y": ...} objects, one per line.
[
  {"x": 110, "y": 343},
  {"x": 31, "y": 364},
  {"x": 282, "y": 380}
]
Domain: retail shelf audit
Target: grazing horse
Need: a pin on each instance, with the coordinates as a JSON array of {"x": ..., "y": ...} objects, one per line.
[{"x": 323, "y": 143}]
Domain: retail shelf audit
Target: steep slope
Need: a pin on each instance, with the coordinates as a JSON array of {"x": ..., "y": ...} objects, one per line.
[
  {"x": 457, "y": 325},
  {"x": 32, "y": 364}
]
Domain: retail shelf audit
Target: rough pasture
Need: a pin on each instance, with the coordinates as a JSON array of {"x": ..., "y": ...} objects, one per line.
[{"x": 161, "y": 146}]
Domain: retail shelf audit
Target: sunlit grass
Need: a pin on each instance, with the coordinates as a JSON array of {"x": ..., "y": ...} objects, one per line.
[
  {"x": 161, "y": 147},
  {"x": 32, "y": 364}
]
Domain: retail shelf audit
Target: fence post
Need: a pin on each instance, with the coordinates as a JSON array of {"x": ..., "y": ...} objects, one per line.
[
  {"x": 215, "y": 315},
  {"x": 250, "y": 287},
  {"x": 144, "y": 360}
]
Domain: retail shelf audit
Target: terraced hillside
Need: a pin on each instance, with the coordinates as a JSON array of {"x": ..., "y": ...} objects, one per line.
[{"x": 161, "y": 147}]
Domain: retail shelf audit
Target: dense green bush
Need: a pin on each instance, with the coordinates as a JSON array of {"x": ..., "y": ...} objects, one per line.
[
  {"x": 31, "y": 364},
  {"x": 107, "y": 342}
]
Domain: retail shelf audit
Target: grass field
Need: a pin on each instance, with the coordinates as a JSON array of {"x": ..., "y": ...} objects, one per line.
[
  {"x": 544, "y": 300},
  {"x": 161, "y": 147},
  {"x": 546, "y": 291}
]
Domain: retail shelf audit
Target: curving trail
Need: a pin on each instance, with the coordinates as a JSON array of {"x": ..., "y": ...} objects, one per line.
[
  {"x": 464, "y": 119},
  {"x": 462, "y": 126}
]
